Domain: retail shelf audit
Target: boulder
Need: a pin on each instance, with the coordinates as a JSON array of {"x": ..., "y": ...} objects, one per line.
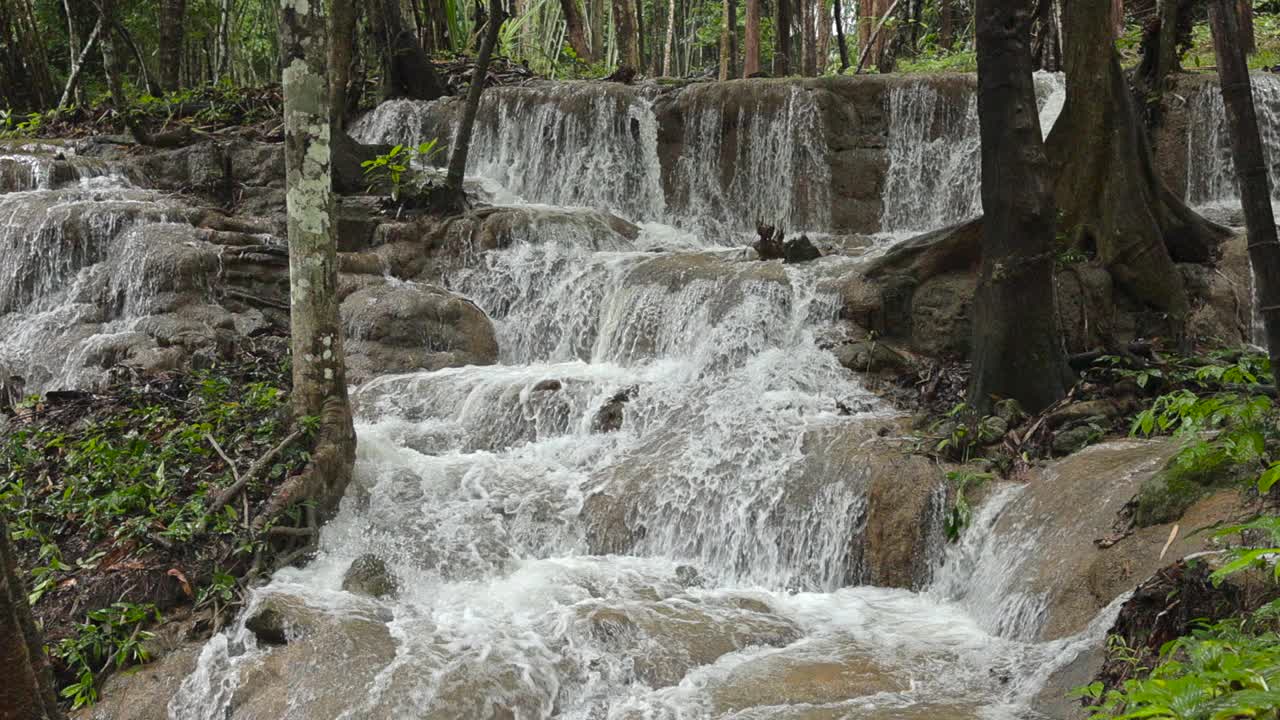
[
  {"x": 396, "y": 327},
  {"x": 369, "y": 575}
]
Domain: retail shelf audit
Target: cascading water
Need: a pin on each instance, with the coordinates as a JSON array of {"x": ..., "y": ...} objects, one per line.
[
  {"x": 935, "y": 163},
  {"x": 1211, "y": 174},
  {"x": 597, "y": 145},
  {"x": 652, "y": 508},
  {"x": 73, "y": 281}
]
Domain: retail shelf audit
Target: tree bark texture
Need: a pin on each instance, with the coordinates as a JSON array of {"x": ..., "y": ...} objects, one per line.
[
  {"x": 1250, "y": 161},
  {"x": 751, "y": 40},
  {"x": 782, "y": 38},
  {"x": 668, "y": 69},
  {"x": 342, "y": 33},
  {"x": 624, "y": 25},
  {"x": 727, "y": 33},
  {"x": 319, "y": 366},
  {"x": 27, "y": 692},
  {"x": 1046, "y": 32},
  {"x": 1018, "y": 350},
  {"x": 1111, "y": 202},
  {"x": 466, "y": 128},
  {"x": 808, "y": 40},
  {"x": 576, "y": 29},
  {"x": 169, "y": 51}
]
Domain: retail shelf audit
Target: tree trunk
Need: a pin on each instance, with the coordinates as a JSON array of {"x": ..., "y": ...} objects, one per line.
[
  {"x": 1248, "y": 40},
  {"x": 1017, "y": 344},
  {"x": 466, "y": 128},
  {"x": 946, "y": 25},
  {"x": 407, "y": 72},
  {"x": 808, "y": 40},
  {"x": 782, "y": 39},
  {"x": 27, "y": 692},
  {"x": 73, "y": 80},
  {"x": 111, "y": 65},
  {"x": 596, "y": 18},
  {"x": 1117, "y": 18},
  {"x": 172, "y": 24},
  {"x": 751, "y": 40},
  {"x": 319, "y": 365},
  {"x": 726, "y": 41},
  {"x": 1250, "y": 160},
  {"x": 75, "y": 56},
  {"x": 669, "y": 46},
  {"x": 840, "y": 41},
  {"x": 822, "y": 26},
  {"x": 341, "y": 49},
  {"x": 138, "y": 57},
  {"x": 576, "y": 29},
  {"x": 625, "y": 33},
  {"x": 224, "y": 38},
  {"x": 1111, "y": 201}
]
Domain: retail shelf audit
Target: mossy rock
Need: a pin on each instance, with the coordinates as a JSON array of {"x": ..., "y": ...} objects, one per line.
[{"x": 1165, "y": 496}]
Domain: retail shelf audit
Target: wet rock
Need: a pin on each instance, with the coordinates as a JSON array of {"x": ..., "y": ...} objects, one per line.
[
  {"x": 547, "y": 386},
  {"x": 665, "y": 639},
  {"x": 992, "y": 428},
  {"x": 940, "y": 315},
  {"x": 1010, "y": 411},
  {"x": 398, "y": 327},
  {"x": 369, "y": 575},
  {"x": 871, "y": 356},
  {"x": 799, "y": 250},
  {"x": 143, "y": 693},
  {"x": 688, "y": 576},
  {"x": 770, "y": 244},
  {"x": 796, "y": 679},
  {"x": 1074, "y": 438},
  {"x": 610, "y": 415}
]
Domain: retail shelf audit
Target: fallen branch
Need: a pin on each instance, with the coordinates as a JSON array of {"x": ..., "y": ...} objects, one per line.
[{"x": 242, "y": 480}]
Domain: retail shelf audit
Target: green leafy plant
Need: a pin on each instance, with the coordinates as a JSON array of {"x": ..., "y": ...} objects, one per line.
[
  {"x": 961, "y": 513},
  {"x": 110, "y": 636},
  {"x": 391, "y": 167}
]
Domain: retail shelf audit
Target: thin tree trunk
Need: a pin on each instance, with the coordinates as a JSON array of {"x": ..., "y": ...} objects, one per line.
[
  {"x": 822, "y": 26},
  {"x": 808, "y": 53},
  {"x": 341, "y": 48},
  {"x": 946, "y": 25},
  {"x": 625, "y": 34},
  {"x": 782, "y": 39},
  {"x": 726, "y": 40},
  {"x": 1117, "y": 18},
  {"x": 840, "y": 41},
  {"x": 667, "y": 69},
  {"x": 27, "y": 692},
  {"x": 1250, "y": 161},
  {"x": 73, "y": 52},
  {"x": 144, "y": 71},
  {"x": 874, "y": 38},
  {"x": 111, "y": 63},
  {"x": 319, "y": 365},
  {"x": 1046, "y": 45},
  {"x": 637, "y": 8},
  {"x": 1017, "y": 344},
  {"x": 597, "y": 16},
  {"x": 74, "y": 79},
  {"x": 751, "y": 40},
  {"x": 172, "y": 25},
  {"x": 224, "y": 38},
  {"x": 466, "y": 128}
]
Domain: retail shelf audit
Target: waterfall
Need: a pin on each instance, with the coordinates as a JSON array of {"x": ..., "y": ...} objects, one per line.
[
  {"x": 598, "y": 145},
  {"x": 1211, "y": 174},
  {"x": 935, "y": 159}
]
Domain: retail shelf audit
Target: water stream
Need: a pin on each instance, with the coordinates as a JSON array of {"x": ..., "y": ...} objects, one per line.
[{"x": 702, "y": 560}]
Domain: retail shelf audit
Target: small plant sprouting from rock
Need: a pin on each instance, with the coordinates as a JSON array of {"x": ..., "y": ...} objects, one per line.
[{"x": 391, "y": 167}]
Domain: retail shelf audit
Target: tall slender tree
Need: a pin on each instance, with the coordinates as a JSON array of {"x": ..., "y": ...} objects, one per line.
[
  {"x": 728, "y": 33},
  {"x": 751, "y": 40},
  {"x": 1250, "y": 161},
  {"x": 782, "y": 38},
  {"x": 1017, "y": 345},
  {"x": 172, "y": 29},
  {"x": 319, "y": 366},
  {"x": 466, "y": 128}
]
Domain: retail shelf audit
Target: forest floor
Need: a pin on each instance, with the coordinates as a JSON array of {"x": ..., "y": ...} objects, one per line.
[{"x": 119, "y": 504}]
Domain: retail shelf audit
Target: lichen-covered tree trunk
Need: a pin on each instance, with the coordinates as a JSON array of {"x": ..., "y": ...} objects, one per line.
[
  {"x": 319, "y": 367},
  {"x": 1018, "y": 350},
  {"x": 1111, "y": 201},
  {"x": 668, "y": 51},
  {"x": 172, "y": 19},
  {"x": 26, "y": 689},
  {"x": 1250, "y": 160}
]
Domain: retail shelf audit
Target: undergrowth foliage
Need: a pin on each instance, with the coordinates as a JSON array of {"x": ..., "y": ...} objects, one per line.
[{"x": 108, "y": 497}]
